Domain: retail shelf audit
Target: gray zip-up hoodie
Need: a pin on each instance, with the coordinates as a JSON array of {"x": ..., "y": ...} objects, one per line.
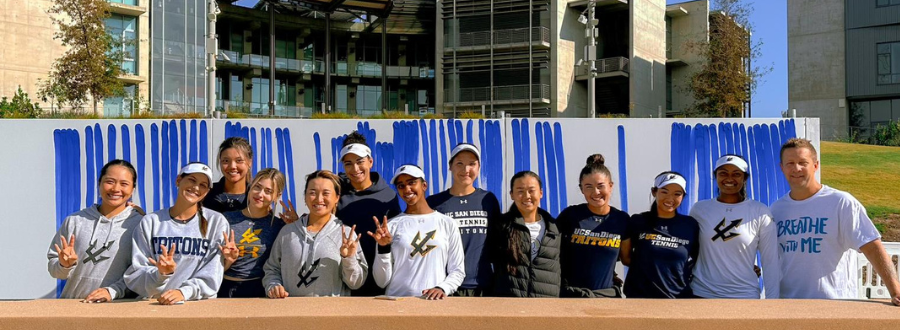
[
  {"x": 102, "y": 257},
  {"x": 198, "y": 270},
  {"x": 310, "y": 264}
]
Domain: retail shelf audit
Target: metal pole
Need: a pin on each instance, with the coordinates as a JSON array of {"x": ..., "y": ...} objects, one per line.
[
  {"x": 749, "y": 72},
  {"x": 592, "y": 57},
  {"x": 530, "y": 60},
  {"x": 212, "y": 49},
  {"x": 328, "y": 62},
  {"x": 271, "y": 59},
  {"x": 384, "y": 91}
]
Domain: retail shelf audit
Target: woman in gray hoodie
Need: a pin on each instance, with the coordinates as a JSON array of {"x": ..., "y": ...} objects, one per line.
[
  {"x": 86, "y": 250},
  {"x": 317, "y": 255}
]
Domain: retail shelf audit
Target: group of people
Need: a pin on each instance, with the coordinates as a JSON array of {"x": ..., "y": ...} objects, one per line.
[{"x": 223, "y": 239}]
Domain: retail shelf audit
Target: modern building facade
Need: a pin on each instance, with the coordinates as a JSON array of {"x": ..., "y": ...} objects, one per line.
[{"x": 844, "y": 63}]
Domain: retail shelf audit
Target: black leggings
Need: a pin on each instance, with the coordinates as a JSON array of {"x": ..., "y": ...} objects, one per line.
[{"x": 242, "y": 289}]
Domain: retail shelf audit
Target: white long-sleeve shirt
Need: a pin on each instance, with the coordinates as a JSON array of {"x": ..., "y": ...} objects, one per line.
[
  {"x": 426, "y": 252},
  {"x": 730, "y": 236}
]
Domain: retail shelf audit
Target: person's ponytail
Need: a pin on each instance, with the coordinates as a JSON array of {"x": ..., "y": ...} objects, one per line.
[{"x": 204, "y": 224}]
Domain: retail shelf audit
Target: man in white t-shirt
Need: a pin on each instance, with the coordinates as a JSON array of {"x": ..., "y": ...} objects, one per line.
[{"x": 819, "y": 231}]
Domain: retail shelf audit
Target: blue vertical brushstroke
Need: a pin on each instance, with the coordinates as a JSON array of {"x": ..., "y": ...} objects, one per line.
[
  {"x": 526, "y": 145},
  {"x": 68, "y": 180},
  {"x": 194, "y": 140},
  {"x": 89, "y": 171},
  {"x": 282, "y": 158},
  {"x": 687, "y": 161},
  {"x": 714, "y": 150},
  {"x": 139, "y": 144},
  {"x": 126, "y": 143},
  {"x": 269, "y": 154},
  {"x": 623, "y": 168},
  {"x": 444, "y": 160},
  {"x": 317, "y": 142},
  {"x": 228, "y": 128},
  {"x": 289, "y": 152},
  {"x": 399, "y": 136},
  {"x": 560, "y": 168},
  {"x": 111, "y": 142},
  {"x": 551, "y": 179},
  {"x": 729, "y": 137},
  {"x": 204, "y": 143},
  {"x": 184, "y": 147},
  {"x": 236, "y": 129},
  {"x": 470, "y": 127},
  {"x": 481, "y": 145},
  {"x": 723, "y": 142},
  {"x": 435, "y": 166},
  {"x": 154, "y": 161},
  {"x": 60, "y": 151},
  {"x": 518, "y": 155},
  {"x": 745, "y": 152},
  {"x": 98, "y": 152},
  {"x": 673, "y": 142},
  {"x": 451, "y": 130},
  {"x": 763, "y": 171},
  {"x": 173, "y": 159},
  {"x": 539, "y": 136},
  {"x": 426, "y": 157},
  {"x": 255, "y": 147},
  {"x": 703, "y": 166},
  {"x": 780, "y": 181},
  {"x": 262, "y": 149},
  {"x": 738, "y": 147},
  {"x": 754, "y": 167},
  {"x": 166, "y": 178},
  {"x": 335, "y": 154},
  {"x": 493, "y": 158},
  {"x": 459, "y": 131}
]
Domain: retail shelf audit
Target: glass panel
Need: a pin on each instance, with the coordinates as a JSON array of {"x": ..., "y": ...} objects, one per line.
[{"x": 341, "y": 98}]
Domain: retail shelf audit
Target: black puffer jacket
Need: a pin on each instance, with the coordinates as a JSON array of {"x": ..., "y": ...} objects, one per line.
[{"x": 519, "y": 276}]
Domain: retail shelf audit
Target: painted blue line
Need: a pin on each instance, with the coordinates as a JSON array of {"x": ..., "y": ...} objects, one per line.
[
  {"x": 539, "y": 136},
  {"x": 262, "y": 149},
  {"x": 526, "y": 145},
  {"x": 317, "y": 141},
  {"x": 729, "y": 137},
  {"x": 289, "y": 152},
  {"x": 282, "y": 166},
  {"x": 459, "y": 131},
  {"x": 745, "y": 152},
  {"x": 470, "y": 127},
  {"x": 140, "y": 147},
  {"x": 723, "y": 142},
  {"x": 154, "y": 161},
  {"x": 399, "y": 136},
  {"x": 60, "y": 153},
  {"x": 518, "y": 155},
  {"x": 173, "y": 160},
  {"x": 780, "y": 181},
  {"x": 184, "y": 147},
  {"x": 623, "y": 168},
  {"x": 763, "y": 169},
  {"x": 98, "y": 156},
  {"x": 126, "y": 143},
  {"x": 714, "y": 148},
  {"x": 255, "y": 147},
  {"x": 704, "y": 178},
  {"x": 426, "y": 157},
  {"x": 494, "y": 164},
  {"x": 204, "y": 143},
  {"x": 561, "y": 168},
  {"x": 269, "y": 154},
  {"x": 444, "y": 154},
  {"x": 738, "y": 148},
  {"x": 687, "y": 158},
  {"x": 89, "y": 171},
  {"x": 111, "y": 142},
  {"x": 435, "y": 164},
  {"x": 673, "y": 142},
  {"x": 754, "y": 166},
  {"x": 551, "y": 178},
  {"x": 194, "y": 140},
  {"x": 335, "y": 153},
  {"x": 228, "y": 126},
  {"x": 451, "y": 129},
  {"x": 166, "y": 174},
  {"x": 481, "y": 145}
]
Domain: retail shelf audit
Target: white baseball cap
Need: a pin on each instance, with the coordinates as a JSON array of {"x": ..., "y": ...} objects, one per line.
[
  {"x": 465, "y": 147},
  {"x": 411, "y": 170},
  {"x": 735, "y": 160},
  {"x": 668, "y": 178},
  {"x": 357, "y": 149},
  {"x": 197, "y": 168}
]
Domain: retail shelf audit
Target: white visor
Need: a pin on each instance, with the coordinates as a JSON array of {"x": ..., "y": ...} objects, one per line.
[
  {"x": 411, "y": 170},
  {"x": 465, "y": 147},
  {"x": 197, "y": 168},
  {"x": 669, "y": 178},
  {"x": 356, "y": 149},
  {"x": 737, "y": 161}
]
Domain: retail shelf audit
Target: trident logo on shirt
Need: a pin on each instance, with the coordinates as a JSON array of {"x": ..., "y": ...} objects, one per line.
[
  {"x": 95, "y": 256},
  {"x": 418, "y": 244},
  {"x": 724, "y": 233},
  {"x": 305, "y": 274}
]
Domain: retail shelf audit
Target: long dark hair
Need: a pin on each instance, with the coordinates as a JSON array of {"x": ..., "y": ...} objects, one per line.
[{"x": 514, "y": 250}]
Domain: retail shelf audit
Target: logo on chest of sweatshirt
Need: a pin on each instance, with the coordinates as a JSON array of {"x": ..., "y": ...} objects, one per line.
[
  {"x": 305, "y": 274},
  {"x": 247, "y": 246},
  {"x": 186, "y": 246},
  {"x": 724, "y": 232},
  {"x": 419, "y": 244},
  {"x": 94, "y": 253}
]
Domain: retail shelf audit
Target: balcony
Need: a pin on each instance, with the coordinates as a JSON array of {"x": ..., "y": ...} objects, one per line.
[
  {"x": 511, "y": 38},
  {"x": 254, "y": 109},
  {"x": 601, "y": 4},
  {"x": 605, "y": 68},
  {"x": 339, "y": 68},
  {"x": 371, "y": 69},
  {"x": 515, "y": 94}
]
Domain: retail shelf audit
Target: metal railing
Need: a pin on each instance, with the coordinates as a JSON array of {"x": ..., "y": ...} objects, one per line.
[
  {"x": 364, "y": 69},
  {"x": 256, "y": 109},
  {"x": 501, "y": 37},
  {"x": 501, "y": 93},
  {"x": 612, "y": 64}
]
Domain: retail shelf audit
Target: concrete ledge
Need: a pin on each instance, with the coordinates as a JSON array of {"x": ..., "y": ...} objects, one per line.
[{"x": 453, "y": 313}]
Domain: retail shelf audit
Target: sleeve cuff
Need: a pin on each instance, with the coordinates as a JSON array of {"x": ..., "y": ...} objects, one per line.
[
  {"x": 384, "y": 249},
  {"x": 112, "y": 292},
  {"x": 187, "y": 292}
]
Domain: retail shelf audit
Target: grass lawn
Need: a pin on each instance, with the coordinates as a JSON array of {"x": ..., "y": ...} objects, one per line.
[{"x": 872, "y": 175}]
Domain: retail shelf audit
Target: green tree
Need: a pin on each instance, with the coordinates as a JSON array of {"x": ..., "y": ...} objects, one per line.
[
  {"x": 90, "y": 68},
  {"x": 19, "y": 107},
  {"x": 723, "y": 85}
]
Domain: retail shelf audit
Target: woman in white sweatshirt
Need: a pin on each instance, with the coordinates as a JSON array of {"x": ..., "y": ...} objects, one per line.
[
  {"x": 733, "y": 228},
  {"x": 317, "y": 255},
  {"x": 87, "y": 250},
  {"x": 176, "y": 254},
  {"x": 419, "y": 251}
]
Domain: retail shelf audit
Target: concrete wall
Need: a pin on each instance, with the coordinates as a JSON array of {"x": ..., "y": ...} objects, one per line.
[
  {"x": 687, "y": 32},
  {"x": 570, "y": 97},
  {"x": 648, "y": 62},
  {"x": 816, "y": 62}
]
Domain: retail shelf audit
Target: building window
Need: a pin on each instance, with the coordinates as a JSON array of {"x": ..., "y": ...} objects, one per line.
[
  {"x": 126, "y": 2},
  {"x": 368, "y": 100},
  {"x": 889, "y": 63},
  {"x": 885, "y": 3},
  {"x": 121, "y": 106},
  {"x": 123, "y": 30}
]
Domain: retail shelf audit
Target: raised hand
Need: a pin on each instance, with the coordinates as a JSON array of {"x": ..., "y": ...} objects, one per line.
[
  {"x": 229, "y": 249},
  {"x": 67, "y": 255},
  {"x": 170, "y": 297},
  {"x": 433, "y": 294},
  {"x": 278, "y": 292},
  {"x": 348, "y": 244},
  {"x": 166, "y": 263},
  {"x": 382, "y": 236},
  {"x": 100, "y": 295},
  {"x": 290, "y": 213}
]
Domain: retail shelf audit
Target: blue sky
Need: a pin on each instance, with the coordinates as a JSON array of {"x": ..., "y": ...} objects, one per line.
[{"x": 769, "y": 20}]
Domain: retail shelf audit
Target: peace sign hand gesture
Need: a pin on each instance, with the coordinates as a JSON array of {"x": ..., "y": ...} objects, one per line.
[
  {"x": 290, "y": 213},
  {"x": 229, "y": 249},
  {"x": 67, "y": 255},
  {"x": 349, "y": 245},
  {"x": 382, "y": 236},
  {"x": 166, "y": 263}
]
